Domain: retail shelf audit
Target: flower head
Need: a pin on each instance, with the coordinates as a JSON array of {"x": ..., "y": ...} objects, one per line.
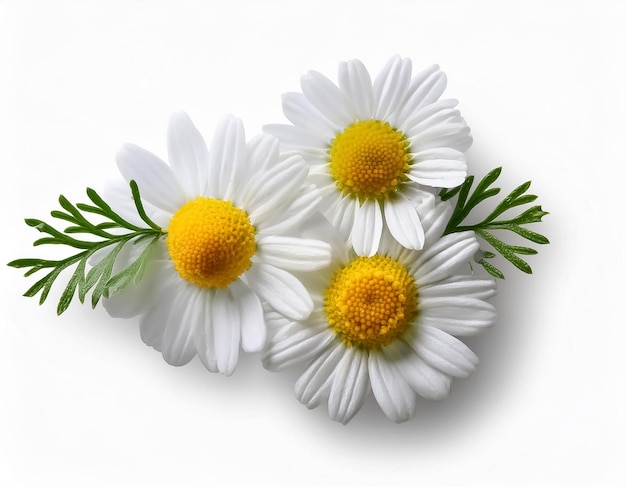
[
  {"x": 388, "y": 323},
  {"x": 228, "y": 213},
  {"x": 376, "y": 148}
]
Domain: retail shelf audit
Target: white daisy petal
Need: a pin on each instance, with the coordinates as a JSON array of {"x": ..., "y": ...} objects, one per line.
[
  {"x": 443, "y": 258},
  {"x": 434, "y": 121},
  {"x": 324, "y": 95},
  {"x": 314, "y": 384},
  {"x": 350, "y": 385},
  {"x": 390, "y": 88},
  {"x": 368, "y": 226},
  {"x": 226, "y": 330},
  {"x": 341, "y": 213},
  {"x": 185, "y": 313},
  {"x": 468, "y": 286},
  {"x": 304, "y": 343},
  {"x": 439, "y": 173},
  {"x": 293, "y": 253},
  {"x": 444, "y": 352},
  {"x": 455, "y": 135},
  {"x": 204, "y": 334},
  {"x": 276, "y": 186},
  {"x": 392, "y": 392},
  {"x": 154, "y": 321},
  {"x": 290, "y": 215},
  {"x": 301, "y": 113},
  {"x": 461, "y": 316},
  {"x": 156, "y": 181},
  {"x": 427, "y": 381},
  {"x": 356, "y": 84},
  {"x": 435, "y": 222},
  {"x": 188, "y": 154},
  {"x": 228, "y": 151},
  {"x": 253, "y": 332},
  {"x": 404, "y": 222},
  {"x": 426, "y": 88},
  {"x": 429, "y": 115},
  {"x": 281, "y": 290}
]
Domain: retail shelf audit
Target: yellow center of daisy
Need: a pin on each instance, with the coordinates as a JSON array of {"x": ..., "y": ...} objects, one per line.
[
  {"x": 211, "y": 242},
  {"x": 371, "y": 301},
  {"x": 369, "y": 159}
]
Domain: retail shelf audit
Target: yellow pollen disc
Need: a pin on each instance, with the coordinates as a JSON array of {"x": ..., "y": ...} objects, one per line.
[
  {"x": 210, "y": 242},
  {"x": 371, "y": 301},
  {"x": 369, "y": 159}
]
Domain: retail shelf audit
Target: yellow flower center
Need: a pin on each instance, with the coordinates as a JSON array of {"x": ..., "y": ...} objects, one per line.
[
  {"x": 211, "y": 242},
  {"x": 369, "y": 159},
  {"x": 371, "y": 301}
]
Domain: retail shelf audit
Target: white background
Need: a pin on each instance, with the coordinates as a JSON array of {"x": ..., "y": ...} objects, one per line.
[{"x": 542, "y": 84}]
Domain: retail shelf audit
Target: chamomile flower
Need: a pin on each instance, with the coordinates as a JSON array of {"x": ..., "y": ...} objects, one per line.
[
  {"x": 228, "y": 212},
  {"x": 386, "y": 323},
  {"x": 375, "y": 147}
]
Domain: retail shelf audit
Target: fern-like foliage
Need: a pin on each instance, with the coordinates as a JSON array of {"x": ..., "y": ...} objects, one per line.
[{"x": 468, "y": 200}]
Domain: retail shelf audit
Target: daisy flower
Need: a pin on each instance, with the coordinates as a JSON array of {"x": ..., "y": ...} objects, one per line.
[
  {"x": 228, "y": 212},
  {"x": 386, "y": 323},
  {"x": 375, "y": 147}
]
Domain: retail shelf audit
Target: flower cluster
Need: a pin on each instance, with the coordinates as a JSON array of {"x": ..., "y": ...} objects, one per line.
[{"x": 337, "y": 244}]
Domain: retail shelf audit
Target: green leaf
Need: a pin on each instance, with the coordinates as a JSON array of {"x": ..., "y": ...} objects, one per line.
[
  {"x": 494, "y": 271},
  {"x": 77, "y": 279},
  {"x": 98, "y": 279},
  {"x": 468, "y": 200},
  {"x": 133, "y": 274}
]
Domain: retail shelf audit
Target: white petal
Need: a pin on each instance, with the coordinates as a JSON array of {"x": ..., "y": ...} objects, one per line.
[
  {"x": 226, "y": 330},
  {"x": 341, "y": 212},
  {"x": 133, "y": 300},
  {"x": 302, "y": 114},
  {"x": 253, "y": 330},
  {"x": 177, "y": 346},
  {"x": 468, "y": 286},
  {"x": 450, "y": 134},
  {"x": 291, "y": 214},
  {"x": 329, "y": 100},
  {"x": 276, "y": 186},
  {"x": 281, "y": 290},
  {"x": 444, "y": 352},
  {"x": 350, "y": 385},
  {"x": 458, "y": 315},
  {"x": 356, "y": 84},
  {"x": 228, "y": 151},
  {"x": 435, "y": 221},
  {"x": 368, "y": 226},
  {"x": 153, "y": 322},
  {"x": 413, "y": 120},
  {"x": 391, "y": 88},
  {"x": 314, "y": 385},
  {"x": 443, "y": 258},
  {"x": 301, "y": 343},
  {"x": 395, "y": 397},
  {"x": 426, "y": 88},
  {"x": 188, "y": 154},
  {"x": 292, "y": 253},
  {"x": 204, "y": 335},
  {"x": 156, "y": 181},
  {"x": 404, "y": 222},
  {"x": 439, "y": 168},
  {"x": 427, "y": 381}
]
